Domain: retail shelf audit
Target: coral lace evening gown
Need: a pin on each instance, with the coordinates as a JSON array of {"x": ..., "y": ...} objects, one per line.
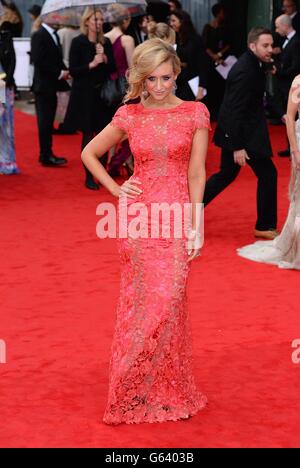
[{"x": 151, "y": 376}]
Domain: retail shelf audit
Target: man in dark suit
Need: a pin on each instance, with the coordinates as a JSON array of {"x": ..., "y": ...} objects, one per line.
[
  {"x": 290, "y": 8},
  {"x": 242, "y": 132},
  {"x": 288, "y": 66},
  {"x": 50, "y": 76}
]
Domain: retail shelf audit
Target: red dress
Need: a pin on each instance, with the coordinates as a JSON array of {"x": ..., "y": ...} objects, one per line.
[{"x": 151, "y": 378}]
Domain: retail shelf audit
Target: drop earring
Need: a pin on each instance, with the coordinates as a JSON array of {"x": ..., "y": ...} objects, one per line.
[
  {"x": 174, "y": 86},
  {"x": 145, "y": 93}
]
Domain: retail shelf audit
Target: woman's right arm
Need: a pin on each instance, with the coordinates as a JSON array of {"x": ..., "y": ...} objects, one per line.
[
  {"x": 293, "y": 106},
  {"x": 109, "y": 137}
]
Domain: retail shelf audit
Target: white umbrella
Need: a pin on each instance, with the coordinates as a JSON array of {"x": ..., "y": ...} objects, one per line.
[
  {"x": 51, "y": 6},
  {"x": 62, "y": 10}
]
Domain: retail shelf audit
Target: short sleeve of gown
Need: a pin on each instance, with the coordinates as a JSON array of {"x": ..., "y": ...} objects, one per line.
[
  {"x": 296, "y": 82},
  {"x": 120, "y": 119},
  {"x": 202, "y": 116}
]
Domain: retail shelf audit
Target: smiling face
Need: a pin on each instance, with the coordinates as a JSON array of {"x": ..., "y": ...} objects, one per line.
[
  {"x": 161, "y": 82},
  {"x": 175, "y": 23}
]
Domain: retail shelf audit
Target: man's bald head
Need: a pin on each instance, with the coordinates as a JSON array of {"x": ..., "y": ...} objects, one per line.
[{"x": 284, "y": 25}]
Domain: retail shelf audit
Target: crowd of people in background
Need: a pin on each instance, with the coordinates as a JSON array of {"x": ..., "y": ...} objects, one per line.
[{"x": 73, "y": 67}]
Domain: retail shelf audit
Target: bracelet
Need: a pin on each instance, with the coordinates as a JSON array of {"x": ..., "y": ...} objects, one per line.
[
  {"x": 195, "y": 240},
  {"x": 194, "y": 231}
]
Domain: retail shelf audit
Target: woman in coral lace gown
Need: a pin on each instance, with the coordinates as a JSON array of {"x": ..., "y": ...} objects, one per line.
[
  {"x": 151, "y": 378},
  {"x": 284, "y": 251}
]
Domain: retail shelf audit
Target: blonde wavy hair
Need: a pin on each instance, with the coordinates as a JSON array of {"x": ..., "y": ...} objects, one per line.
[
  {"x": 146, "y": 58},
  {"x": 162, "y": 31},
  {"x": 88, "y": 13}
]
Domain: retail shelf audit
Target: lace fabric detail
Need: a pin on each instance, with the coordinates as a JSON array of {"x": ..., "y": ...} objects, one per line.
[
  {"x": 296, "y": 82},
  {"x": 125, "y": 117},
  {"x": 284, "y": 251},
  {"x": 161, "y": 139},
  {"x": 120, "y": 118},
  {"x": 151, "y": 376},
  {"x": 202, "y": 117}
]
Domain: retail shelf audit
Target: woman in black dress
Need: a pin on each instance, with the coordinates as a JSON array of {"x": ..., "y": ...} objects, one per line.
[
  {"x": 12, "y": 18},
  {"x": 194, "y": 60},
  {"x": 217, "y": 41},
  {"x": 91, "y": 63}
]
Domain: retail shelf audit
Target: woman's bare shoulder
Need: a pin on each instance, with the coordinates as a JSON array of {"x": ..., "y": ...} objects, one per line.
[{"x": 126, "y": 39}]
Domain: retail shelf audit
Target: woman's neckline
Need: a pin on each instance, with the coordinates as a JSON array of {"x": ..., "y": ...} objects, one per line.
[{"x": 162, "y": 108}]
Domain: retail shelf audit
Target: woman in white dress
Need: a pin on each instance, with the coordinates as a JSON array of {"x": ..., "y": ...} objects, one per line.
[{"x": 284, "y": 251}]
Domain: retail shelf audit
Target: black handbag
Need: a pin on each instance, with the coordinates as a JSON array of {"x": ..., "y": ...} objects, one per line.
[
  {"x": 112, "y": 92},
  {"x": 63, "y": 86}
]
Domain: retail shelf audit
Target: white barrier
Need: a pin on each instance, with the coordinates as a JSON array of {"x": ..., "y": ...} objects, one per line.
[{"x": 24, "y": 71}]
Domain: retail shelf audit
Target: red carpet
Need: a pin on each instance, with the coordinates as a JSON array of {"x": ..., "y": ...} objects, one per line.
[{"x": 58, "y": 290}]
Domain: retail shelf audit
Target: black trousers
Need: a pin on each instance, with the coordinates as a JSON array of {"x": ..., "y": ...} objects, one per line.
[
  {"x": 45, "y": 104},
  {"x": 265, "y": 171}
]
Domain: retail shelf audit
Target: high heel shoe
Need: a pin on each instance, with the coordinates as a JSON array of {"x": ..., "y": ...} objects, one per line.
[{"x": 91, "y": 184}]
